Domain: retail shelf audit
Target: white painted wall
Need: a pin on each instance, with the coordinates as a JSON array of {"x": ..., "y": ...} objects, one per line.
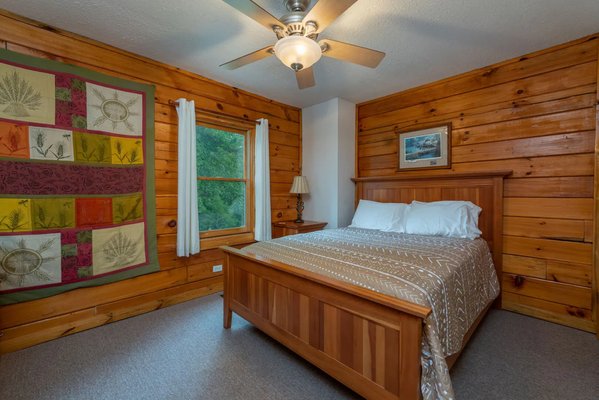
[
  {"x": 328, "y": 151},
  {"x": 346, "y": 145},
  {"x": 319, "y": 161}
]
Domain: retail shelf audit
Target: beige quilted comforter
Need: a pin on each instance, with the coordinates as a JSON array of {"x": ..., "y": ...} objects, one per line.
[{"x": 454, "y": 277}]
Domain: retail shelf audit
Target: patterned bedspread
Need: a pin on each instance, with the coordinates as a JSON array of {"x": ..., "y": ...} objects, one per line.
[{"x": 454, "y": 277}]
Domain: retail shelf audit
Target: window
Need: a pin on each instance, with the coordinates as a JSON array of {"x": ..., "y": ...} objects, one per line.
[{"x": 223, "y": 180}]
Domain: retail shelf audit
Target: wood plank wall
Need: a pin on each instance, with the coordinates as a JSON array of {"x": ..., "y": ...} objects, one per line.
[
  {"x": 535, "y": 115},
  {"x": 596, "y": 209},
  {"x": 179, "y": 279}
]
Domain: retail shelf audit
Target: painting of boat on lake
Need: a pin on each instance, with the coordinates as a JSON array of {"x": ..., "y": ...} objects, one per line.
[{"x": 425, "y": 148}]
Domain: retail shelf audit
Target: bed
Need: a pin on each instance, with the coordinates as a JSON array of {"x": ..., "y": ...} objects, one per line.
[{"x": 370, "y": 341}]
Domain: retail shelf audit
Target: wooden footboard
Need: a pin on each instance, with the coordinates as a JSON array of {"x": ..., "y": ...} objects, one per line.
[{"x": 368, "y": 341}]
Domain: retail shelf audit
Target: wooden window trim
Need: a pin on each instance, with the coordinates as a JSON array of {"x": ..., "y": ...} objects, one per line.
[
  {"x": 245, "y": 234},
  {"x": 228, "y": 240}
]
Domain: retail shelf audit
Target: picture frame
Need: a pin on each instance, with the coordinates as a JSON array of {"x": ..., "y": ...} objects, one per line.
[{"x": 426, "y": 147}]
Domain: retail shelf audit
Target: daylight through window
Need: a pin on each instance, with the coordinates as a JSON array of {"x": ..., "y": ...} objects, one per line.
[{"x": 223, "y": 185}]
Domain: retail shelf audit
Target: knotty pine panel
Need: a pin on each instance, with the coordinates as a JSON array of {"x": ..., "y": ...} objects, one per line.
[
  {"x": 549, "y": 166},
  {"x": 563, "y": 100},
  {"x": 571, "y": 143},
  {"x": 557, "y": 271},
  {"x": 536, "y": 115},
  {"x": 551, "y": 291},
  {"x": 566, "y": 122},
  {"x": 579, "y": 75},
  {"x": 545, "y": 228},
  {"x": 25, "y": 335},
  {"x": 180, "y": 279},
  {"x": 549, "y": 208},
  {"x": 555, "y": 312},
  {"x": 576, "y": 274},
  {"x": 525, "y": 266},
  {"x": 561, "y": 250},
  {"x": 558, "y": 57}
]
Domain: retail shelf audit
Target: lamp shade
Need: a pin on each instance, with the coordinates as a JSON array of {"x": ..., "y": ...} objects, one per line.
[
  {"x": 300, "y": 185},
  {"x": 297, "y": 52}
]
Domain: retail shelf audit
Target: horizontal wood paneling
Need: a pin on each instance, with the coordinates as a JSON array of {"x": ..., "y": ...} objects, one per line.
[
  {"x": 551, "y": 291},
  {"x": 546, "y": 228},
  {"x": 565, "y": 122},
  {"x": 180, "y": 279},
  {"x": 578, "y": 75},
  {"x": 560, "y": 313},
  {"x": 525, "y": 266},
  {"x": 573, "y": 143},
  {"x": 557, "y": 271},
  {"x": 562, "y": 100},
  {"x": 535, "y": 115},
  {"x": 566, "y": 272},
  {"x": 42, "y": 330},
  {"x": 561, "y": 250},
  {"x": 571, "y": 186},
  {"x": 537, "y": 63},
  {"x": 549, "y": 166},
  {"x": 549, "y": 208}
]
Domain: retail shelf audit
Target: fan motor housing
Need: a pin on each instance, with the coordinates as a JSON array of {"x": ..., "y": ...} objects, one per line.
[
  {"x": 297, "y": 5},
  {"x": 293, "y": 19}
]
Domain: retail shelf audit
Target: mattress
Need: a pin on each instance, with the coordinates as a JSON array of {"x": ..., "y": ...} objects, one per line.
[{"x": 454, "y": 277}]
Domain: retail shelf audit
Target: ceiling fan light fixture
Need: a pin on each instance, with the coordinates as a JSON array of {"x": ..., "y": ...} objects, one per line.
[{"x": 297, "y": 52}]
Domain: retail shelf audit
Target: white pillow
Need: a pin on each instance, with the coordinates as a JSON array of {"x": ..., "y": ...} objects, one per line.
[
  {"x": 473, "y": 214},
  {"x": 399, "y": 218},
  {"x": 381, "y": 216},
  {"x": 442, "y": 218}
]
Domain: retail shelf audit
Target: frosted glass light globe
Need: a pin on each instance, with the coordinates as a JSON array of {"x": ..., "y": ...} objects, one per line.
[{"x": 297, "y": 52}]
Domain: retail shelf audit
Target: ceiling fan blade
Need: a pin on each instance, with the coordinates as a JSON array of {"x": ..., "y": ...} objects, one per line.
[
  {"x": 326, "y": 11},
  {"x": 352, "y": 53},
  {"x": 255, "y": 12},
  {"x": 305, "y": 78},
  {"x": 248, "y": 58}
]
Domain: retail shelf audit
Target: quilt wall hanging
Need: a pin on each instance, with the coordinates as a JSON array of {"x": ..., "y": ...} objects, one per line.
[{"x": 77, "y": 202}]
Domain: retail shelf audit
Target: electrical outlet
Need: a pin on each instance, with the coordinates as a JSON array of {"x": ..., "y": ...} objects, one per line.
[{"x": 217, "y": 268}]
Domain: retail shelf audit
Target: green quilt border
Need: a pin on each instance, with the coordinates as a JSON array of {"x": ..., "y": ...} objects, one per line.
[{"x": 55, "y": 66}]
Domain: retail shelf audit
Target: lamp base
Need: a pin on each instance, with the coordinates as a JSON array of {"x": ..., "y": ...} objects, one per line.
[{"x": 299, "y": 208}]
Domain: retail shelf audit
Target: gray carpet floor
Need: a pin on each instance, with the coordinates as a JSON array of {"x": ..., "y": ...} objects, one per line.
[{"x": 182, "y": 352}]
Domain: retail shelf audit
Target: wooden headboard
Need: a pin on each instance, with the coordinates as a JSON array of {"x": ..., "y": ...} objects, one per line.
[{"x": 484, "y": 189}]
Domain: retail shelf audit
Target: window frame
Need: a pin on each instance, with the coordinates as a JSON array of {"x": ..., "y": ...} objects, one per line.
[{"x": 238, "y": 235}]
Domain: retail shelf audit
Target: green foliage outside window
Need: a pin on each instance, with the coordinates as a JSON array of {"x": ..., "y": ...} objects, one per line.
[{"x": 220, "y": 154}]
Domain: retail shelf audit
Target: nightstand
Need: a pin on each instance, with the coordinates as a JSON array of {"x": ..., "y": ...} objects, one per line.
[{"x": 285, "y": 228}]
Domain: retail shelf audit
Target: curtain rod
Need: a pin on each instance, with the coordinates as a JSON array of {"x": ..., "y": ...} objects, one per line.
[{"x": 215, "y": 113}]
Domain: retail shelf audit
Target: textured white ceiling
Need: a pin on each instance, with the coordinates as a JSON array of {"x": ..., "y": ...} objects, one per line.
[{"x": 425, "y": 40}]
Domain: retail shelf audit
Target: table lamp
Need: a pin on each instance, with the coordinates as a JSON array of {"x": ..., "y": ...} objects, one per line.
[{"x": 299, "y": 187}]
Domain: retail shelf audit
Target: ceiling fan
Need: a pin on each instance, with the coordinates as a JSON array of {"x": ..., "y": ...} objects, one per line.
[{"x": 297, "y": 33}]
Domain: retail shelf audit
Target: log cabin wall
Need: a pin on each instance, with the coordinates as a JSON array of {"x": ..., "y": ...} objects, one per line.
[
  {"x": 179, "y": 279},
  {"x": 537, "y": 116}
]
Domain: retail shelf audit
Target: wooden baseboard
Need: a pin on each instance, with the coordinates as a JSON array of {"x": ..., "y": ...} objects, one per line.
[{"x": 27, "y": 335}]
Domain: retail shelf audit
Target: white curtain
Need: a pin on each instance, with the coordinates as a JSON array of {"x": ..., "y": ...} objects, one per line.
[
  {"x": 188, "y": 234},
  {"x": 262, "y": 228}
]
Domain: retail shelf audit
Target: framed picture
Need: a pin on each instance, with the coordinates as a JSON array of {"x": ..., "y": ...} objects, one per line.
[{"x": 428, "y": 147}]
